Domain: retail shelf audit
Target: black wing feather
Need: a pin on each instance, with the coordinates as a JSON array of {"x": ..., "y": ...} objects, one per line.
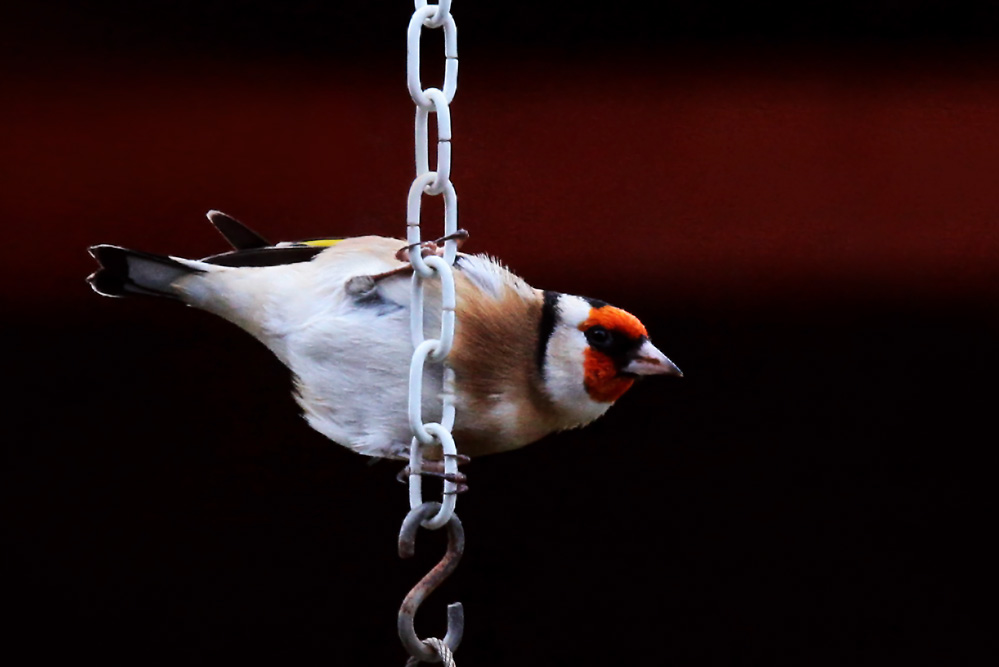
[
  {"x": 265, "y": 256},
  {"x": 236, "y": 233}
]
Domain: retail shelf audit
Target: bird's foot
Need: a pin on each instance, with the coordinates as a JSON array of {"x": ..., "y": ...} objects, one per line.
[
  {"x": 428, "y": 248},
  {"x": 435, "y": 469},
  {"x": 363, "y": 287},
  {"x": 459, "y": 237}
]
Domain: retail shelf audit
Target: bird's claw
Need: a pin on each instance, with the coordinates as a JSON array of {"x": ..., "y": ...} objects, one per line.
[
  {"x": 363, "y": 287},
  {"x": 459, "y": 237},
  {"x": 435, "y": 469},
  {"x": 428, "y": 248}
]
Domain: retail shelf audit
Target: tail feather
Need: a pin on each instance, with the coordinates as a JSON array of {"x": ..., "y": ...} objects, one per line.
[{"x": 125, "y": 272}]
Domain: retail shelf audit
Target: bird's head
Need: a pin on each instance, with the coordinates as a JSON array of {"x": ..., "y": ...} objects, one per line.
[{"x": 590, "y": 354}]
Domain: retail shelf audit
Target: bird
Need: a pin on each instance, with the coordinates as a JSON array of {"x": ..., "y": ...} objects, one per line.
[{"x": 336, "y": 311}]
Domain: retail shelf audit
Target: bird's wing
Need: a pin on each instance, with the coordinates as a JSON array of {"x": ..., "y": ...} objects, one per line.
[
  {"x": 274, "y": 292},
  {"x": 286, "y": 252},
  {"x": 236, "y": 233},
  {"x": 268, "y": 256},
  {"x": 252, "y": 249}
]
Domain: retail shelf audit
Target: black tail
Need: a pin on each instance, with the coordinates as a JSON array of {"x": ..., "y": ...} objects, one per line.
[{"x": 125, "y": 272}]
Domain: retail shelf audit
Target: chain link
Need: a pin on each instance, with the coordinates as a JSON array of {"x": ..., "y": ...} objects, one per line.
[
  {"x": 436, "y": 350},
  {"x": 431, "y": 16},
  {"x": 434, "y": 183}
]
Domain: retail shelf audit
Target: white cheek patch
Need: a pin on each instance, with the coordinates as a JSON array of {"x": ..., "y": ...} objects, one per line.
[
  {"x": 566, "y": 354},
  {"x": 564, "y": 370},
  {"x": 567, "y": 348}
]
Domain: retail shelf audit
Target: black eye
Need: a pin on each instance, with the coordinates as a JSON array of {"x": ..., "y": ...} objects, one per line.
[{"x": 598, "y": 337}]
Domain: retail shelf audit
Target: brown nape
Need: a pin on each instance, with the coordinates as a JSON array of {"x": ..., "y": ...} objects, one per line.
[{"x": 494, "y": 355}]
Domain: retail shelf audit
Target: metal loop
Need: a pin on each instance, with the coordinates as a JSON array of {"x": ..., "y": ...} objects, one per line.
[
  {"x": 443, "y": 269},
  {"x": 413, "y": 207},
  {"x": 416, "y": 310},
  {"x": 448, "y": 413},
  {"x": 443, "y": 141},
  {"x": 450, "y": 456},
  {"x": 416, "y": 391},
  {"x": 413, "y": 34},
  {"x": 455, "y": 613},
  {"x": 448, "y": 303},
  {"x": 437, "y": 20}
]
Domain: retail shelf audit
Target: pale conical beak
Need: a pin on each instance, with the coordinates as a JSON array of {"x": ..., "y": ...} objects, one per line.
[{"x": 650, "y": 361}]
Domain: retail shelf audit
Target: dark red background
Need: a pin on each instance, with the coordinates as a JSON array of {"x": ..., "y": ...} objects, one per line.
[{"x": 800, "y": 206}]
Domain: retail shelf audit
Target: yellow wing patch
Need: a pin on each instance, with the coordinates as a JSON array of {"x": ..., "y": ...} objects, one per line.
[{"x": 321, "y": 243}]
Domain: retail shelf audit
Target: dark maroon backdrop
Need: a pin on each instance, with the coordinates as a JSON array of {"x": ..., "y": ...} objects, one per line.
[{"x": 800, "y": 206}]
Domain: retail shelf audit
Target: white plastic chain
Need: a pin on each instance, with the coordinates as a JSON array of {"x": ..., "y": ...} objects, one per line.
[{"x": 432, "y": 183}]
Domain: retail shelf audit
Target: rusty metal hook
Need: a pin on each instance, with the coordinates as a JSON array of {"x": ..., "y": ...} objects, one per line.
[{"x": 455, "y": 614}]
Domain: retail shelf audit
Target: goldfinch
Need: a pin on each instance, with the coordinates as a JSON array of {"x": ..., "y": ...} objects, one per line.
[{"x": 527, "y": 362}]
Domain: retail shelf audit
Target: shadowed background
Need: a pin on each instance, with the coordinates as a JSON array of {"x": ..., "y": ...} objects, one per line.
[{"x": 800, "y": 206}]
